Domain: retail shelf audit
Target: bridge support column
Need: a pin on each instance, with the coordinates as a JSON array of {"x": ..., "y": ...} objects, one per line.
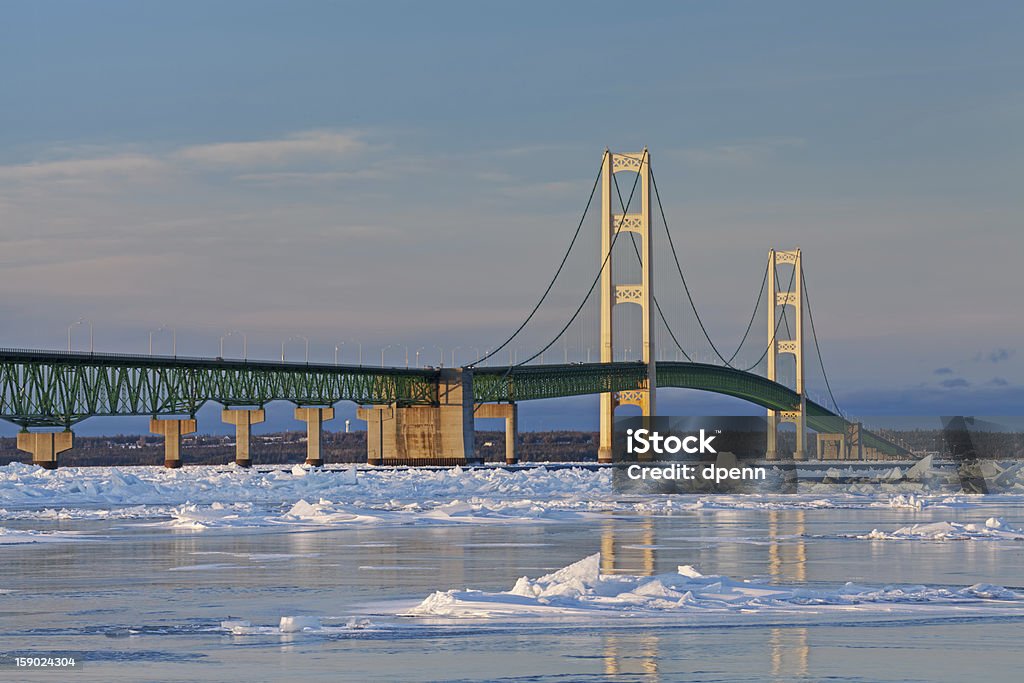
[
  {"x": 772, "y": 451},
  {"x": 640, "y": 293},
  {"x": 314, "y": 419},
  {"x": 777, "y": 302},
  {"x": 44, "y": 446},
  {"x": 243, "y": 419},
  {"x": 856, "y": 443},
  {"x": 832, "y": 446},
  {"x": 510, "y": 412},
  {"x": 380, "y": 432},
  {"x": 172, "y": 431},
  {"x": 440, "y": 434}
]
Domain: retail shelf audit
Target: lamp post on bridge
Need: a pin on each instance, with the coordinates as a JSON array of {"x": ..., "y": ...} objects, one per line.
[
  {"x": 174, "y": 339},
  {"x": 245, "y": 343},
  {"x": 418, "y": 355},
  {"x": 336, "y": 347},
  {"x": 296, "y": 337},
  {"x": 80, "y": 321},
  {"x": 453, "y": 355},
  {"x": 383, "y": 349},
  {"x": 442, "y": 354}
]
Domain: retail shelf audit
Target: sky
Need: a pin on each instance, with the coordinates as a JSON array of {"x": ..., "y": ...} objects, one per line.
[{"x": 405, "y": 174}]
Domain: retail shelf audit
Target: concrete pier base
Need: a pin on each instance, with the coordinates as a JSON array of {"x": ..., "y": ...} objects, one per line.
[
  {"x": 243, "y": 419},
  {"x": 314, "y": 419},
  {"x": 440, "y": 434},
  {"x": 510, "y": 413},
  {"x": 172, "y": 431},
  {"x": 44, "y": 446}
]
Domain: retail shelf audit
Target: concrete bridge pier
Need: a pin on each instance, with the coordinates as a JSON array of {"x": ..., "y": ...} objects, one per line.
[
  {"x": 510, "y": 412},
  {"x": 440, "y": 434},
  {"x": 172, "y": 431},
  {"x": 314, "y": 419},
  {"x": 243, "y": 419},
  {"x": 44, "y": 446}
]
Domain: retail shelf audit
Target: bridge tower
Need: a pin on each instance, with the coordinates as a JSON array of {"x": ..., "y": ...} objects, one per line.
[
  {"x": 640, "y": 293},
  {"x": 795, "y": 346}
]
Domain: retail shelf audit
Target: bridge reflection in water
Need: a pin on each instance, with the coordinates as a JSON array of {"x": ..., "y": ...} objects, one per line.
[
  {"x": 630, "y": 546},
  {"x": 787, "y": 562}
]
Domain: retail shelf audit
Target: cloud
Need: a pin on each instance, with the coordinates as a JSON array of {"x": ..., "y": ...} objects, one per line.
[
  {"x": 955, "y": 383},
  {"x": 741, "y": 153},
  {"x": 997, "y": 355},
  {"x": 121, "y": 164},
  {"x": 316, "y": 145},
  {"x": 999, "y": 382},
  {"x": 943, "y": 371}
]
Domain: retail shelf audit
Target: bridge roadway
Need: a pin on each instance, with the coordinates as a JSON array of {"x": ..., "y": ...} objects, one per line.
[{"x": 58, "y": 389}]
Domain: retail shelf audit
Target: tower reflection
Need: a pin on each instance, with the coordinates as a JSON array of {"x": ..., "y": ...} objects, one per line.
[
  {"x": 787, "y": 562},
  {"x": 627, "y": 547}
]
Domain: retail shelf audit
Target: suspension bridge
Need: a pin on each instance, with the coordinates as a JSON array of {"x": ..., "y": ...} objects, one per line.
[{"x": 426, "y": 415}]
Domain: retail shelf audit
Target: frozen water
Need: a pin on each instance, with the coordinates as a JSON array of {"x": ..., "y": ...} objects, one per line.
[{"x": 204, "y": 497}]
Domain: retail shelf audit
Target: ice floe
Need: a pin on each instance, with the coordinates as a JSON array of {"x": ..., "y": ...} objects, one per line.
[
  {"x": 18, "y": 536},
  {"x": 581, "y": 588},
  {"x": 204, "y": 497},
  {"x": 295, "y": 624},
  {"x": 992, "y": 529}
]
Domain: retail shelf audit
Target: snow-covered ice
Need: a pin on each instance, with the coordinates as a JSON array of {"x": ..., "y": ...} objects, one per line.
[
  {"x": 992, "y": 529},
  {"x": 204, "y": 497},
  {"x": 581, "y": 588},
  {"x": 17, "y": 536}
]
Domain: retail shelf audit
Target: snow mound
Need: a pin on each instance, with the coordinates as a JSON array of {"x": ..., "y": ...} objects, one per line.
[
  {"x": 580, "y": 588},
  {"x": 993, "y": 529}
]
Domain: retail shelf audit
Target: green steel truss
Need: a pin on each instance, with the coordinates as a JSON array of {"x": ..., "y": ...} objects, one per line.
[
  {"x": 550, "y": 381},
  {"x": 49, "y": 388},
  {"x": 524, "y": 383},
  {"x": 45, "y": 388}
]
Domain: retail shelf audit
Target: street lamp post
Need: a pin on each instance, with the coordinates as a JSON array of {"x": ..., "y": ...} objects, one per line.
[
  {"x": 80, "y": 321},
  {"x": 336, "y": 347},
  {"x": 453, "y": 355},
  {"x": 383, "y": 349},
  {"x": 296, "y": 337},
  {"x": 418, "y": 355},
  {"x": 245, "y": 343},
  {"x": 442, "y": 354}
]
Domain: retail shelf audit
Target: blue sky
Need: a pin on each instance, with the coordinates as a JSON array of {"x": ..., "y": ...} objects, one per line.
[{"x": 409, "y": 173}]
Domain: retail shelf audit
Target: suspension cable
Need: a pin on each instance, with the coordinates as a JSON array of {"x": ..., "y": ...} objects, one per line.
[
  {"x": 814, "y": 335},
  {"x": 693, "y": 306},
  {"x": 689, "y": 297},
  {"x": 778, "y": 322},
  {"x": 753, "y": 315},
  {"x": 561, "y": 265},
  {"x": 604, "y": 264}
]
